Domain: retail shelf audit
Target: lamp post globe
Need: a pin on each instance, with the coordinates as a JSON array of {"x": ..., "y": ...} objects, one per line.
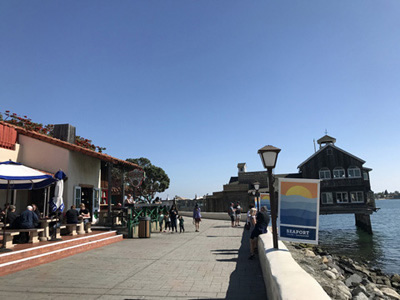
[{"x": 269, "y": 156}]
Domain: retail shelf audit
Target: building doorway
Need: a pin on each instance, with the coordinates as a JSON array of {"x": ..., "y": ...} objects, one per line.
[{"x": 87, "y": 199}]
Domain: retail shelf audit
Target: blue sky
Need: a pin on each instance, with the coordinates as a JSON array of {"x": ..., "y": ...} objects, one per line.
[{"x": 199, "y": 86}]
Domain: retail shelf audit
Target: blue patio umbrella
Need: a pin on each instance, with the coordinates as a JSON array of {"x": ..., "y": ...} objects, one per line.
[
  {"x": 15, "y": 176},
  {"x": 57, "y": 201}
]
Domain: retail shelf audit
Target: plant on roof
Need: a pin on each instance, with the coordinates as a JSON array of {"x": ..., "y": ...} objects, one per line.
[{"x": 28, "y": 124}]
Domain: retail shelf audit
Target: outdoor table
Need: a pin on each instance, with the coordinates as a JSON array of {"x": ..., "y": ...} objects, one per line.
[
  {"x": 81, "y": 229},
  {"x": 45, "y": 224}
]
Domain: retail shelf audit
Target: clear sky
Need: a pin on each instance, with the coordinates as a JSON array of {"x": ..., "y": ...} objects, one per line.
[{"x": 199, "y": 86}]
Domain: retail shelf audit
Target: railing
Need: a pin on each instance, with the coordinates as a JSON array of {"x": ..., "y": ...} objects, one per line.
[{"x": 130, "y": 216}]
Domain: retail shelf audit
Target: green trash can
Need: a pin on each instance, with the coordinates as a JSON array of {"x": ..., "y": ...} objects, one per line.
[{"x": 144, "y": 227}]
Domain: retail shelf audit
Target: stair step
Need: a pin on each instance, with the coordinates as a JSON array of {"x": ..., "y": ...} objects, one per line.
[
  {"x": 51, "y": 254},
  {"x": 51, "y": 246}
]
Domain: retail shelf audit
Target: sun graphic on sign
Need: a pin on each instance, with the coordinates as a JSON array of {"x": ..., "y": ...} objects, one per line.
[
  {"x": 299, "y": 190},
  {"x": 306, "y": 190}
]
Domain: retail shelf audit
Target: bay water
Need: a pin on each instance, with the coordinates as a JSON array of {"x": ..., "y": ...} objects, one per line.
[{"x": 339, "y": 235}]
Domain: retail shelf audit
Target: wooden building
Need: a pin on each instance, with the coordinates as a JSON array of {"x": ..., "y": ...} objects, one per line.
[{"x": 345, "y": 185}]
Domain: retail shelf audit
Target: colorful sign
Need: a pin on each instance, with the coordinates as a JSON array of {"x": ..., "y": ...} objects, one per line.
[
  {"x": 264, "y": 200},
  {"x": 298, "y": 210}
]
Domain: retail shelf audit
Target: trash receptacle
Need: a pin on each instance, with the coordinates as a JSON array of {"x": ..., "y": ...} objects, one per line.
[{"x": 144, "y": 227}]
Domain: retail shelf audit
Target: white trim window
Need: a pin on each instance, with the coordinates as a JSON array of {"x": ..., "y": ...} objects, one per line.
[
  {"x": 365, "y": 175},
  {"x": 342, "y": 197},
  {"x": 338, "y": 173},
  {"x": 77, "y": 196},
  {"x": 354, "y": 172},
  {"x": 357, "y": 197},
  {"x": 324, "y": 173},
  {"x": 326, "y": 198}
]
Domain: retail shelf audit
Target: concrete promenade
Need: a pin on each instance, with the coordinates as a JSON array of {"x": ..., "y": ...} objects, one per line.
[{"x": 210, "y": 264}]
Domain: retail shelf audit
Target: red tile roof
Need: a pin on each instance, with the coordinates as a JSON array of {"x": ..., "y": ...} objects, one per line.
[{"x": 69, "y": 146}]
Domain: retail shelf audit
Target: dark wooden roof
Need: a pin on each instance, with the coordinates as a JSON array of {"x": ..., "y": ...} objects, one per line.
[{"x": 333, "y": 146}]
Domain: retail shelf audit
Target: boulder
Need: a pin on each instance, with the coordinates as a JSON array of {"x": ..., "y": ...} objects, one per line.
[
  {"x": 353, "y": 280},
  {"x": 330, "y": 274},
  {"x": 324, "y": 260},
  {"x": 360, "y": 289},
  {"x": 344, "y": 290},
  {"x": 309, "y": 253},
  {"x": 390, "y": 293},
  {"x": 360, "y": 296},
  {"x": 395, "y": 278},
  {"x": 372, "y": 289}
]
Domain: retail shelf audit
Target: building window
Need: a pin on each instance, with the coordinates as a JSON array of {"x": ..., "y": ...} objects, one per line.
[
  {"x": 325, "y": 173},
  {"x": 365, "y": 174},
  {"x": 342, "y": 197},
  {"x": 354, "y": 172},
  {"x": 326, "y": 198},
  {"x": 329, "y": 151},
  {"x": 357, "y": 197},
  {"x": 338, "y": 173}
]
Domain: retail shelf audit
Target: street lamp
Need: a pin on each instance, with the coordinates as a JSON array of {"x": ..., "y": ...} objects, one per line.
[
  {"x": 257, "y": 187},
  {"x": 269, "y": 156}
]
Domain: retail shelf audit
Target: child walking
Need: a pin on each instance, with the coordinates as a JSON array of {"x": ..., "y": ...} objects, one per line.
[{"x": 181, "y": 225}]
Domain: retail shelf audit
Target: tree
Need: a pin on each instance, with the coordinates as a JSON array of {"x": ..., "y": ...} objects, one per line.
[{"x": 156, "y": 180}]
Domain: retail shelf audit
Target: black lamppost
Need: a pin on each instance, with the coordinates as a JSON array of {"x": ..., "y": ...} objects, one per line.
[
  {"x": 269, "y": 156},
  {"x": 257, "y": 187}
]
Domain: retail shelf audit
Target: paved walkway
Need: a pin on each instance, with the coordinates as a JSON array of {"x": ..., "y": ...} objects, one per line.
[{"x": 211, "y": 264}]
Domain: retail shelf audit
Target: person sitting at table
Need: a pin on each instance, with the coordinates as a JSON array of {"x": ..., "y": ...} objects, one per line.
[
  {"x": 3, "y": 212},
  {"x": 84, "y": 213},
  {"x": 27, "y": 221},
  {"x": 58, "y": 216},
  {"x": 72, "y": 215},
  {"x": 12, "y": 217},
  {"x": 129, "y": 200},
  {"x": 36, "y": 210}
]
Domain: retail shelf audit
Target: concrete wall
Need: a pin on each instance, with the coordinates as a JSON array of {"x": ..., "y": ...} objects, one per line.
[
  {"x": 284, "y": 278},
  {"x": 41, "y": 155},
  {"x": 82, "y": 170},
  {"x": 7, "y": 154}
]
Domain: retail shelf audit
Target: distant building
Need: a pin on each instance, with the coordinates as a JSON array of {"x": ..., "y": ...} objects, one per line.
[{"x": 345, "y": 186}]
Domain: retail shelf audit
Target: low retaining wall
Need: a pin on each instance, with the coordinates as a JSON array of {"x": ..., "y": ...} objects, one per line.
[
  {"x": 283, "y": 277},
  {"x": 214, "y": 215}
]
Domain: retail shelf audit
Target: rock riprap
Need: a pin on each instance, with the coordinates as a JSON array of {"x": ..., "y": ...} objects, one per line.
[{"x": 343, "y": 278}]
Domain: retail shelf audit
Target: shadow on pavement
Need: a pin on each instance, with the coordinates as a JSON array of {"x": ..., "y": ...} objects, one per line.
[{"x": 246, "y": 281}]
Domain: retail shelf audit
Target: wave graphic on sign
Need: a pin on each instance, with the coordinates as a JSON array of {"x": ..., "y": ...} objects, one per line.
[{"x": 299, "y": 210}]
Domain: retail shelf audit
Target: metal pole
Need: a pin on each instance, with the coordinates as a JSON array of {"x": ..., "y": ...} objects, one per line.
[
  {"x": 109, "y": 167},
  {"x": 5, "y": 218},
  {"x": 273, "y": 208}
]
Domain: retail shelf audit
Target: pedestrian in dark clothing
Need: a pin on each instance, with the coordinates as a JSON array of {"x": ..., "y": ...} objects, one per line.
[
  {"x": 72, "y": 215},
  {"x": 28, "y": 219},
  {"x": 262, "y": 221},
  {"x": 173, "y": 214},
  {"x": 58, "y": 215},
  {"x": 12, "y": 217},
  {"x": 181, "y": 224}
]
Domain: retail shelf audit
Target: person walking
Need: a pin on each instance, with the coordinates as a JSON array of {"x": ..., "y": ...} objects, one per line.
[
  {"x": 197, "y": 217},
  {"x": 231, "y": 213},
  {"x": 161, "y": 220},
  {"x": 173, "y": 214},
  {"x": 238, "y": 212},
  {"x": 262, "y": 221}
]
